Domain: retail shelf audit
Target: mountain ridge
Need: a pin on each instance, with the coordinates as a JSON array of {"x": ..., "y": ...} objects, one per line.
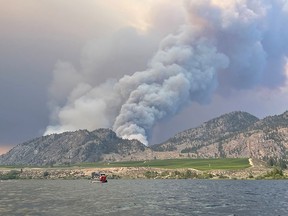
[{"x": 235, "y": 134}]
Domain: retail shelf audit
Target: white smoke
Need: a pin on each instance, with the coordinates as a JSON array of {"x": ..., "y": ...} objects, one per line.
[{"x": 228, "y": 43}]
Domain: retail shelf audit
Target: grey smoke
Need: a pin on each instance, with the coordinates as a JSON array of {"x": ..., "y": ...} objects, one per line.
[{"x": 231, "y": 45}]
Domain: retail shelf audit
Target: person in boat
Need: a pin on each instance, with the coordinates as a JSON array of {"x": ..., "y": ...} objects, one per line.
[
  {"x": 103, "y": 178},
  {"x": 95, "y": 175}
]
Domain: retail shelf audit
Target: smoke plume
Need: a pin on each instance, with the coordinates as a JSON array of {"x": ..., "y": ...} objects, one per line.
[{"x": 223, "y": 45}]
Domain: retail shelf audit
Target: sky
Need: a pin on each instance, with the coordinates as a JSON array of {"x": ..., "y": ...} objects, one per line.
[{"x": 146, "y": 69}]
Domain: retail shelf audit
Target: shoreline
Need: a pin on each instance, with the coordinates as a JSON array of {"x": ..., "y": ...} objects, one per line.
[
  {"x": 134, "y": 173},
  {"x": 257, "y": 170}
]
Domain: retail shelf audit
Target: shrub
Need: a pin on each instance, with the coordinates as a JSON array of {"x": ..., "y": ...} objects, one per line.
[
  {"x": 276, "y": 173},
  {"x": 189, "y": 174},
  {"x": 46, "y": 174},
  {"x": 206, "y": 176},
  {"x": 165, "y": 173},
  {"x": 13, "y": 174},
  {"x": 151, "y": 174}
]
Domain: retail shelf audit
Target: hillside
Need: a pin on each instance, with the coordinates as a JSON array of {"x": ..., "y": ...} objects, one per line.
[
  {"x": 208, "y": 133},
  {"x": 237, "y": 134},
  {"x": 232, "y": 135},
  {"x": 71, "y": 147}
]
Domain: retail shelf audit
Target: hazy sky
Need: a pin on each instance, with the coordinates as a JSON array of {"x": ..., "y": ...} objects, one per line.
[{"x": 63, "y": 65}]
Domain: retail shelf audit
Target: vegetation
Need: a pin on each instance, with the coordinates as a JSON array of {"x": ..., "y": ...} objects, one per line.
[
  {"x": 199, "y": 164},
  {"x": 188, "y": 174},
  {"x": 160, "y": 148},
  {"x": 189, "y": 149},
  {"x": 276, "y": 173},
  {"x": 13, "y": 174},
  {"x": 276, "y": 162},
  {"x": 169, "y": 169},
  {"x": 46, "y": 174}
]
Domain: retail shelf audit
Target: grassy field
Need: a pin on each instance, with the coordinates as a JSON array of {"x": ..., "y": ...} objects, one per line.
[{"x": 199, "y": 164}]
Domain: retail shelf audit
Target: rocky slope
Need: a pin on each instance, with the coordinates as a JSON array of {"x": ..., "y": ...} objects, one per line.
[
  {"x": 71, "y": 147},
  {"x": 236, "y": 134},
  {"x": 209, "y": 133}
]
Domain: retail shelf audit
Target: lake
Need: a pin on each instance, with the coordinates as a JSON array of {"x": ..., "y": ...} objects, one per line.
[{"x": 144, "y": 197}]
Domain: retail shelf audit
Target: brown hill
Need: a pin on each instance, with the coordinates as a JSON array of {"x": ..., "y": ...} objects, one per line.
[{"x": 236, "y": 134}]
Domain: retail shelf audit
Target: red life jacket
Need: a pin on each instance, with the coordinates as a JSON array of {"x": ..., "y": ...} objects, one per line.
[{"x": 103, "y": 178}]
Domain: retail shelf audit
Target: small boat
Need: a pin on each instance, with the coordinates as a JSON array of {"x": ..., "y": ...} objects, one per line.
[{"x": 98, "y": 178}]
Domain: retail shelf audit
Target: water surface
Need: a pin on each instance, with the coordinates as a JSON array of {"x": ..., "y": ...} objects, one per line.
[{"x": 144, "y": 197}]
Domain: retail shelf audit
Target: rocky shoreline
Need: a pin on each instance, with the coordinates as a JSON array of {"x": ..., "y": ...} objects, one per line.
[
  {"x": 253, "y": 172},
  {"x": 257, "y": 170}
]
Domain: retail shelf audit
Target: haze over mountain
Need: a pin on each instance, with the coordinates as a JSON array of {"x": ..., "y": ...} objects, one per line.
[{"x": 236, "y": 134}]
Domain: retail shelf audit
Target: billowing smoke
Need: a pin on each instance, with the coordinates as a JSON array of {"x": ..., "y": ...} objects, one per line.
[{"x": 223, "y": 45}]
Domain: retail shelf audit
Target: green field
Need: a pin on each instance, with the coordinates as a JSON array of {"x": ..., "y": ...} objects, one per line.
[{"x": 199, "y": 164}]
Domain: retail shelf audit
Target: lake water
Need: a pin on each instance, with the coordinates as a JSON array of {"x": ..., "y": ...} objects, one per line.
[{"x": 144, "y": 197}]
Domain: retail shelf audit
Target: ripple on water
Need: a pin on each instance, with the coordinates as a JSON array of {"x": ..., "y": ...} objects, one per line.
[{"x": 143, "y": 197}]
